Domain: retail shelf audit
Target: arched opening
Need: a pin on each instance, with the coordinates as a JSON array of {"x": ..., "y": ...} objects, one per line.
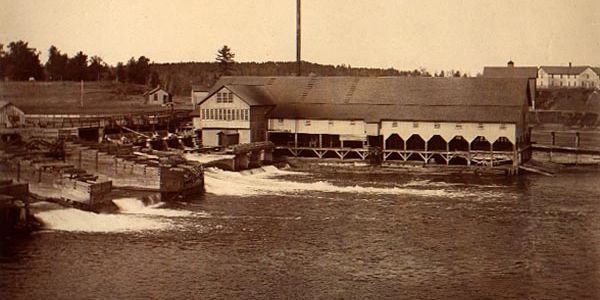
[
  {"x": 458, "y": 143},
  {"x": 503, "y": 144},
  {"x": 480, "y": 143},
  {"x": 394, "y": 142},
  {"x": 436, "y": 143},
  {"x": 415, "y": 143},
  {"x": 458, "y": 160}
]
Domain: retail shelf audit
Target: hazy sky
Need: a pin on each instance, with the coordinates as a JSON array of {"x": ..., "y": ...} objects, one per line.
[{"x": 434, "y": 34}]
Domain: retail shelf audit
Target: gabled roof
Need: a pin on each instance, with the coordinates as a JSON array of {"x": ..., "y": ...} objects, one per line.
[
  {"x": 568, "y": 70},
  {"x": 394, "y": 98},
  {"x": 154, "y": 90},
  {"x": 510, "y": 72},
  {"x": 253, "y": 95}
]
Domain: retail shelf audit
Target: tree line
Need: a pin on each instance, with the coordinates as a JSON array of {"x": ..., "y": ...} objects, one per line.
[{"x": 20, "y": 62}]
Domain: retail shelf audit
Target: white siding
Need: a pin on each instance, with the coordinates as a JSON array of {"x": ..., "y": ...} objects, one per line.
[
  {"x": 311, "y": 126},
  {"x": 447, "y": 130},
  {"x": 212, "y": 111}
]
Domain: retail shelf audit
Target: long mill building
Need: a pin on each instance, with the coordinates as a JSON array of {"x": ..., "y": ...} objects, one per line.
[{"x": 451, "y": 121}]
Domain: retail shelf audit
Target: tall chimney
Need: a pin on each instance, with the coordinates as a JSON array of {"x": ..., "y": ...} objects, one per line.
[{"x": 298, "y": 38}]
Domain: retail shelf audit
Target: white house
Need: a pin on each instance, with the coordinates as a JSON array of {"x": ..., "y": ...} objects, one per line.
[
  {"x": 157, "y": 96},
  {"x": 568, "y": 77},
  {"x": 232, "y": 114}
]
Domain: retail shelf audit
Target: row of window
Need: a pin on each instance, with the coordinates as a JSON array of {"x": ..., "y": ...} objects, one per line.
[
  {"x": 225, "y": 114},
  {"x": 308, "y": 123},
  {"x": 574, "y": 83},
  {"x": 224, "y": 97},
  {"x": 456, "y": 126}
]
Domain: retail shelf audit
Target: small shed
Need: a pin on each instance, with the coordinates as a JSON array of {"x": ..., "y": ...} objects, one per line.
[
  {"x": 157, "y": 96},
  {"x": 10, "y": 115}
]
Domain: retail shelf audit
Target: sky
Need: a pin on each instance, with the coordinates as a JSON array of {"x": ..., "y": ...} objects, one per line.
[{"x": 433, "y": 34}]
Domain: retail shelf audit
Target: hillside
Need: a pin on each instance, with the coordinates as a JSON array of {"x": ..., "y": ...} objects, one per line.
[
  {"x": 178, "y": 78},
  {"x": 65, "y": 97}
]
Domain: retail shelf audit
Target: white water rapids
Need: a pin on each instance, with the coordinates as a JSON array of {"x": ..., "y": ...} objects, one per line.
[{"x": 133, "y": 216}]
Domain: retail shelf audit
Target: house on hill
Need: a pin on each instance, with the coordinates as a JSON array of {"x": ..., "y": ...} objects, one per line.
[
  {"x": 443, "y": 120},
  {"x": 157, "y": 96},
  {"x": 569, "y": 77},
  {"x": 10, "y": 115}
]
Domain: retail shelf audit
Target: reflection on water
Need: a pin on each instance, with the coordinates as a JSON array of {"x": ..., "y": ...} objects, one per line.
[{"x": 281, "y": 234}]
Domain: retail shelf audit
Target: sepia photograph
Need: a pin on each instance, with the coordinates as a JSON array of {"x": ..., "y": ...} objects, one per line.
[{"x": 299, "y": 149}]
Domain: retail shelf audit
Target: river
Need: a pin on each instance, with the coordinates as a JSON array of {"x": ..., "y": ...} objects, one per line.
[{"x": 290, "y": 235}]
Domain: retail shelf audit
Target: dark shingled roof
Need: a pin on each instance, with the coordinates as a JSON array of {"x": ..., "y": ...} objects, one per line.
[
  {"x": 510, "y": 72},
  {"x": 568, "y": 70},
  {"x": 389, "y": 98}
]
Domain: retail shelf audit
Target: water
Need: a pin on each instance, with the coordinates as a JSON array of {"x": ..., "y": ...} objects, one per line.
[{"x": 281, "y": 234}]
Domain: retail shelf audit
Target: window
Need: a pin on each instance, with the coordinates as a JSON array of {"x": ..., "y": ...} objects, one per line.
[
  {"x": 330, "y": 123},
  {"x": 203, "y": 111},
  {"x": 458, "y": 126},
  {"x": 280, "y": 121},
  {"x": 480, "y": 126},
  {"x": 415, "y": 125},
  {"x": 155, "y": 97},
  {"x": 352, "y": 123},
  {"x": 502, "y": 126},
  {"x": 436, "y": 125},
  {"x": 218, "y": 97},
  {"x": 246, "y": 115},
  {"x": 307, "y": 123},
  {"x": 230, "y": 97},
  {"x": 237, "y": 114},
  {"x": 394, "y": 124}
]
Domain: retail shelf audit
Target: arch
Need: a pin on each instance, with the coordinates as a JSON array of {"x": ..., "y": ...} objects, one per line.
[
  {"x": 415, "y": 143},
  {"x": 436, "y": 143},
  {"x": 480, "y": 143},
  {"x": 503, "y": 144},
  {"x": 394, "y": 141},
  {"x": 459, "y": 143}
]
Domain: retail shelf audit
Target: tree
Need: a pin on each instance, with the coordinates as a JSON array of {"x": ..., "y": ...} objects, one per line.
[
  {"x": 22, "y": 62},
  {"x": 96, "y": 69},
  {"x": 225, "y": 60},
  {"x": 154, "y": 79},
  {"x": 77, "y": 67},
  {"x": 121, "y": 73},
  {"x": 2, "y": 62},
  {"x": 57, "y": 64},
  {"x": 138, "y": 71}
]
